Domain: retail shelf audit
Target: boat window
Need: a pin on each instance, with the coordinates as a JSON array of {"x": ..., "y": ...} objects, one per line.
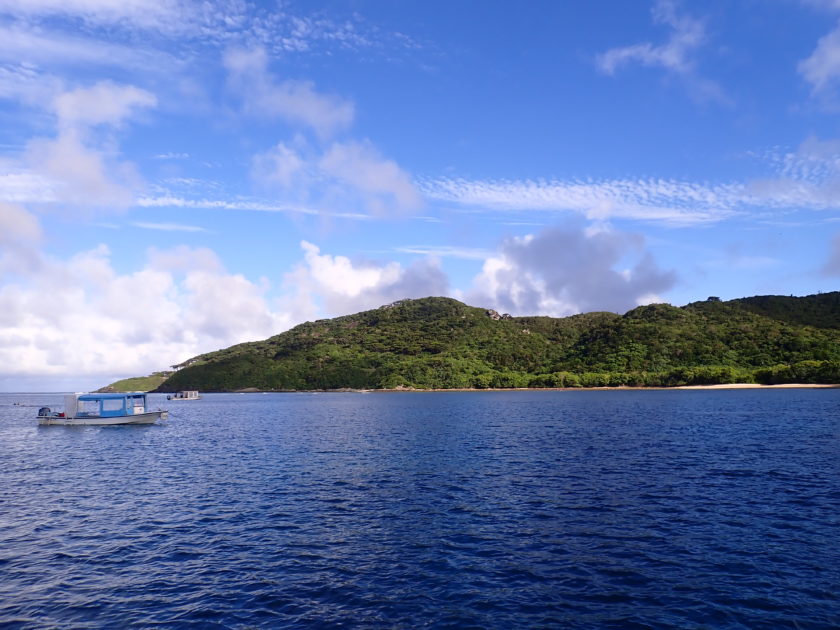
[
  {"x": 88, "y": 408},
  {"x": 112, "y": 404}
]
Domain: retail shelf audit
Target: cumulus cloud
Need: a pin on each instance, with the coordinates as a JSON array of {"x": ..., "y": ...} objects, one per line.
[
  {"x": 17, "y": 225},
  {"x": 81, "y": 163},
  {"x": 347, "y": 286},
  {"x": 295, "y": 101},
  {"x": 80, "y": 316},
  {"x": 562, "y": 271}
]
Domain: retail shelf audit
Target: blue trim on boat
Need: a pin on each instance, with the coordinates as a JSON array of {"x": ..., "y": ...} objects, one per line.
[{"x": 110, "y": 396}]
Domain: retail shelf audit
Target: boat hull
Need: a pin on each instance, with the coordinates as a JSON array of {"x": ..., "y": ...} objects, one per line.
[{"x": 149, "y": 417}]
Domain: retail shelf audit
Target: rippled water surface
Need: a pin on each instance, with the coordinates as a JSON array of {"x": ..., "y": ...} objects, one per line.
[{"x": 588, "y": 509}]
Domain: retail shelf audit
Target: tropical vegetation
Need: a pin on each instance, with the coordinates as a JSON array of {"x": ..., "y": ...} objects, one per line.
[{"x": 441, "y": 343}]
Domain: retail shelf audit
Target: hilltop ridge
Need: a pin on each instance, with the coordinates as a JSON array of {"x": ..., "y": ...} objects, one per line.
[{"x": 439, "y": 342}]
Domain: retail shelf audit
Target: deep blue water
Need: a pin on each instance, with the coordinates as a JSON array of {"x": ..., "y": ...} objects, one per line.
[{"x": 588, "y": 509}]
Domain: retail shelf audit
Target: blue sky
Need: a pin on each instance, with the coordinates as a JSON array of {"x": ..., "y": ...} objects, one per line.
[{"x": 178, "y": 176}]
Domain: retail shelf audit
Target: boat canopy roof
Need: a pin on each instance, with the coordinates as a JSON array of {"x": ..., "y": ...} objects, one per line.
[{"x": 112, "y": 396}]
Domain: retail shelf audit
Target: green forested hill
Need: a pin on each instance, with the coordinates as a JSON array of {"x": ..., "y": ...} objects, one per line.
[{"x": 442, "y": 343}]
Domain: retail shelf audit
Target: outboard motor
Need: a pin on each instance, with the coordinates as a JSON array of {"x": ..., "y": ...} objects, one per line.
[{"x": 44, "y": 411}]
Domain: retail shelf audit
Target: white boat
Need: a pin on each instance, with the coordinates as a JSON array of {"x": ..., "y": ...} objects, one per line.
[
  {"x": 184, "y": 395},
  {"x": 93, "y": 409}
]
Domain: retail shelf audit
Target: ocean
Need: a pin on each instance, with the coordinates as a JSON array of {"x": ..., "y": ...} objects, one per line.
[{"x": 544, "y": 509}]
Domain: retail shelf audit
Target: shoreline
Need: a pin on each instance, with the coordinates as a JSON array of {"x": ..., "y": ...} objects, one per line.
[
  {"x": 402, "y": 390},
  {"x": 759, "y": 386}
]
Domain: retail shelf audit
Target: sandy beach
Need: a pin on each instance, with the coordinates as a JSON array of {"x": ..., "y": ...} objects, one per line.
[{"x": 758, "y": 386}]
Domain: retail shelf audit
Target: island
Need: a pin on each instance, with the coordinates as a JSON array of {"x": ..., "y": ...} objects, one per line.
[{"x": 441, "y": 343}]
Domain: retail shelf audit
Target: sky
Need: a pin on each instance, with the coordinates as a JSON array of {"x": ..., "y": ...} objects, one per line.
[{"x": 177, "y": 176}]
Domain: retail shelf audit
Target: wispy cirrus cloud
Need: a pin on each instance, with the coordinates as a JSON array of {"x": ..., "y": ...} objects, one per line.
[
  {"x": 676, "y": 56},
  {"x": 822, "y": 67},
  {"x": 145, "y": 13},
  {"x": 807, "y": 178},
  {"x": 239, "y": 204},
  {"x": 445, "y": 251},
  {"x": 215, "y": 22},
  {"x": 53, "y": 48},
  {"x": 169, "y": 227},
  {"x": 687, "y": 35},
  {"x": 667, "y": 201}
]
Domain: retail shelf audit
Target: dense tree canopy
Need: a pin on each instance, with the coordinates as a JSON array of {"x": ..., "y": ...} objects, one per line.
[{"x": 442, "y": 343}]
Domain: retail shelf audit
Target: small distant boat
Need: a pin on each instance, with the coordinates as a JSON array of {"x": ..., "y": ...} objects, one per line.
[
  {"x": 101, "y": 409},
  {"x": 185, "y": 395}
]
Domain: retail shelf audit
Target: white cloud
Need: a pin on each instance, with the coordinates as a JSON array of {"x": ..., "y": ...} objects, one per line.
[
  {"x": 822, "y": 68},
  {"x": 104, "y": 103},
  {"x": 79, "y": 316},
  {"x": 381, "y": 182},
  {"x": 346, "y": 174},
  {"x": 26, "y": 187},
  {"x": 17, "y": 224},
  {"x": 169, "y": 227},
  {"x": 183, "y": 259},
  {"x": 346, "y": 286},
  {"x": 182, "y": 302},
  {"x": 667, "y": 201},
  {"x": 140, "y": 12},
  {"x": 808, "y": 177},
  {"x": 295, "y": 101},
  {"x": 444, "y": 251},
  {"x": 57, "y": 49},
  {"x": 214, "y": 21},
  {"x": 282, "y": 165},
  {"x": 687, "y": 34},
  {"x": 676, "y": 56},
  {"x": 82, "y": 175},
  {"x": 20, "y": 232},
  {"x": 25, "y": 83},
  {"x": 243, "y": 205},
  {"x": 81, "y": 167},
  {"x": 561, "y": 272}
]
